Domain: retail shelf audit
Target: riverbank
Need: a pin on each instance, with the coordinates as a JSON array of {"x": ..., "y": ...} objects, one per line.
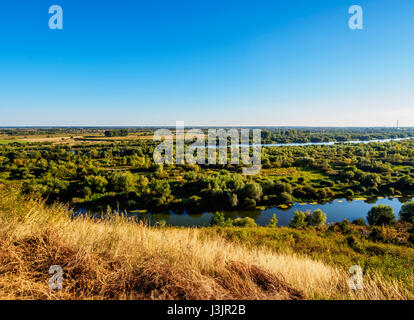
[{"x": 116, "y": 258}]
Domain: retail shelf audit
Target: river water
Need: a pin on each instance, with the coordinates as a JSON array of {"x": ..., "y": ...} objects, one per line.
[{"x": 336, "y": 211}]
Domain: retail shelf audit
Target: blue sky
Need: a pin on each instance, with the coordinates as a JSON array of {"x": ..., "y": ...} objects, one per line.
[{"x": 207, "y": 62}]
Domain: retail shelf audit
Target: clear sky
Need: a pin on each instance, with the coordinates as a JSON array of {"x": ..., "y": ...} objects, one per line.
[{"x": 207, "y": 62}]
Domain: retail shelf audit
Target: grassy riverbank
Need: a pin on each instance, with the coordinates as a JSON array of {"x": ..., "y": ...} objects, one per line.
[{"x": 118, "y": 259}]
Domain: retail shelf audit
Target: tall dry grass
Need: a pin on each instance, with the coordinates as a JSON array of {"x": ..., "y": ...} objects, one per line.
[{"x": 115, "y": 258}]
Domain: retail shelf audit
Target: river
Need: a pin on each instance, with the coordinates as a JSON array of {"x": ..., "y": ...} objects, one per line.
[{"x": 336, "y": 211}]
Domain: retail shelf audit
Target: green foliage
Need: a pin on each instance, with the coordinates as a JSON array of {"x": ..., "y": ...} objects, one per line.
[
  {"x": 244, "y": 222},
  {"x": 99, "y": 174},
  {"x": 116, "y": 133},
  {"x": 378, "y": 234},
  {"x": 96, "y": 183},
  {"x": 355, "y": 244},
  {"x": 302, "y": 219},
  {"x": 123, "y": 181},
  {"x": 249, "y": 203},
  {"x": 298, "y": 220},
  {"x": 349, "y": 193},
  {"x": 317, "y": 218},
  {"x": 273, "y": 222},
  {"x": 252, "y": 191},
  {"x": 381, "y": 215},
  {"x": 219, "y": 220},
  {"x": 342, "y": 226},
  {"x": 407, "y": 211},
  {"x": 359, "y": 222}
]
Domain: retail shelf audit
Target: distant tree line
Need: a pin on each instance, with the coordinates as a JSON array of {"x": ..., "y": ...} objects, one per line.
[{"x": 116, "y": 133}]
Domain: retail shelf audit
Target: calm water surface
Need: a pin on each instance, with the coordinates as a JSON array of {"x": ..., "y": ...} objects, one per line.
[{"x": 336, "y": 211}]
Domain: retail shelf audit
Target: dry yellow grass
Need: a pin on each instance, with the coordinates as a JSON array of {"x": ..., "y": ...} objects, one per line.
[{"x": 119, "y": 259}]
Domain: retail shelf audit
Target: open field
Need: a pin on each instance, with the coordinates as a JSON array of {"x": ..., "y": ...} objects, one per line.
[
  {"x": 72, "y": 140},
  {"x": 7, "y": 141}
]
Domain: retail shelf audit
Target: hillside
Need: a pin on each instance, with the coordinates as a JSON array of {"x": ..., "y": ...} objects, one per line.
[{"x": 116, "y": 258}]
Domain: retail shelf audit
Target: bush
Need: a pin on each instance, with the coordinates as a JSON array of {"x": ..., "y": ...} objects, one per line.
[
  {"x": 407, "y": 211},
  {"x": 285, "y": 198},
  {"x": 219, "y": 220},
  {"x": 253, "y": 191},
  {"x": 244, "y": 222},
  {"x": 381, "y": 215},
  {"x": 249, "y": 203},
  {"x": 359, "y": 222},
  {"x": 355, "y": 244},
  {"x": 298, "y": 220},
  {"x": 343, "y": 227},
  {"x": 377, "y": 234},
  {"x": 317, "y": 218},
  {"x": 273, "y": 222},
  {"x": 349, "y": 193}
]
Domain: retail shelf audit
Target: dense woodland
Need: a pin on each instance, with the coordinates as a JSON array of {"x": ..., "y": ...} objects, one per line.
[{"x": 122, "y": 173}]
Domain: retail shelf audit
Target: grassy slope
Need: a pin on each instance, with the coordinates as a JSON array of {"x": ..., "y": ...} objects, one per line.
[
  {"x": 119, "y": 259},
  {"x": 389, "y": 261}
]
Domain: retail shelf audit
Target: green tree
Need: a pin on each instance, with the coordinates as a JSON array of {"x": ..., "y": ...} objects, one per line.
[
  {"x": 96, "y": 183},
  {"x": 407, "y": 211},
  {"x": 123, "y": 182},
  {"x": 253, "y": 191},
  {"x": 317, "y": 218},
  {"x": 273, "y": 222},
  {"x": 298, "y": 220},
  {"x": 381, "y": 215},
  {"x": 218, "y": 220}
]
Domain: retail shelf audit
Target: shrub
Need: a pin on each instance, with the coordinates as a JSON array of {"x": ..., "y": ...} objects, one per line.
[
  {"x": 123, "y": 182},
  {"x": 381, "y": 215},
  {"x": 359, "y": 222},
  {"x": 349, "y": 193},
  {"x": 355, "y": 244},
  {"x": 317, "y": 218},
  {"x": 273, "y": 222},
  {"x": 407, "y": 211},
  {"x": 377, "y": 234},
  {"x": 298, "y": 220},
  {"x": 249, "y": 203},
  {"x": 244, "y": 222},
  {"x": 253, "y": 191},
  {"x": 411, "y": 239},
  {"x": 219, "y": 220},
  {"x": 285, "y": 198},
  {"x": 343, "y": 227}
]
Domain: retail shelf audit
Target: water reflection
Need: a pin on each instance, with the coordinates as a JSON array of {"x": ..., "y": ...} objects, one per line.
[{"x": 336, "y": 210}]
